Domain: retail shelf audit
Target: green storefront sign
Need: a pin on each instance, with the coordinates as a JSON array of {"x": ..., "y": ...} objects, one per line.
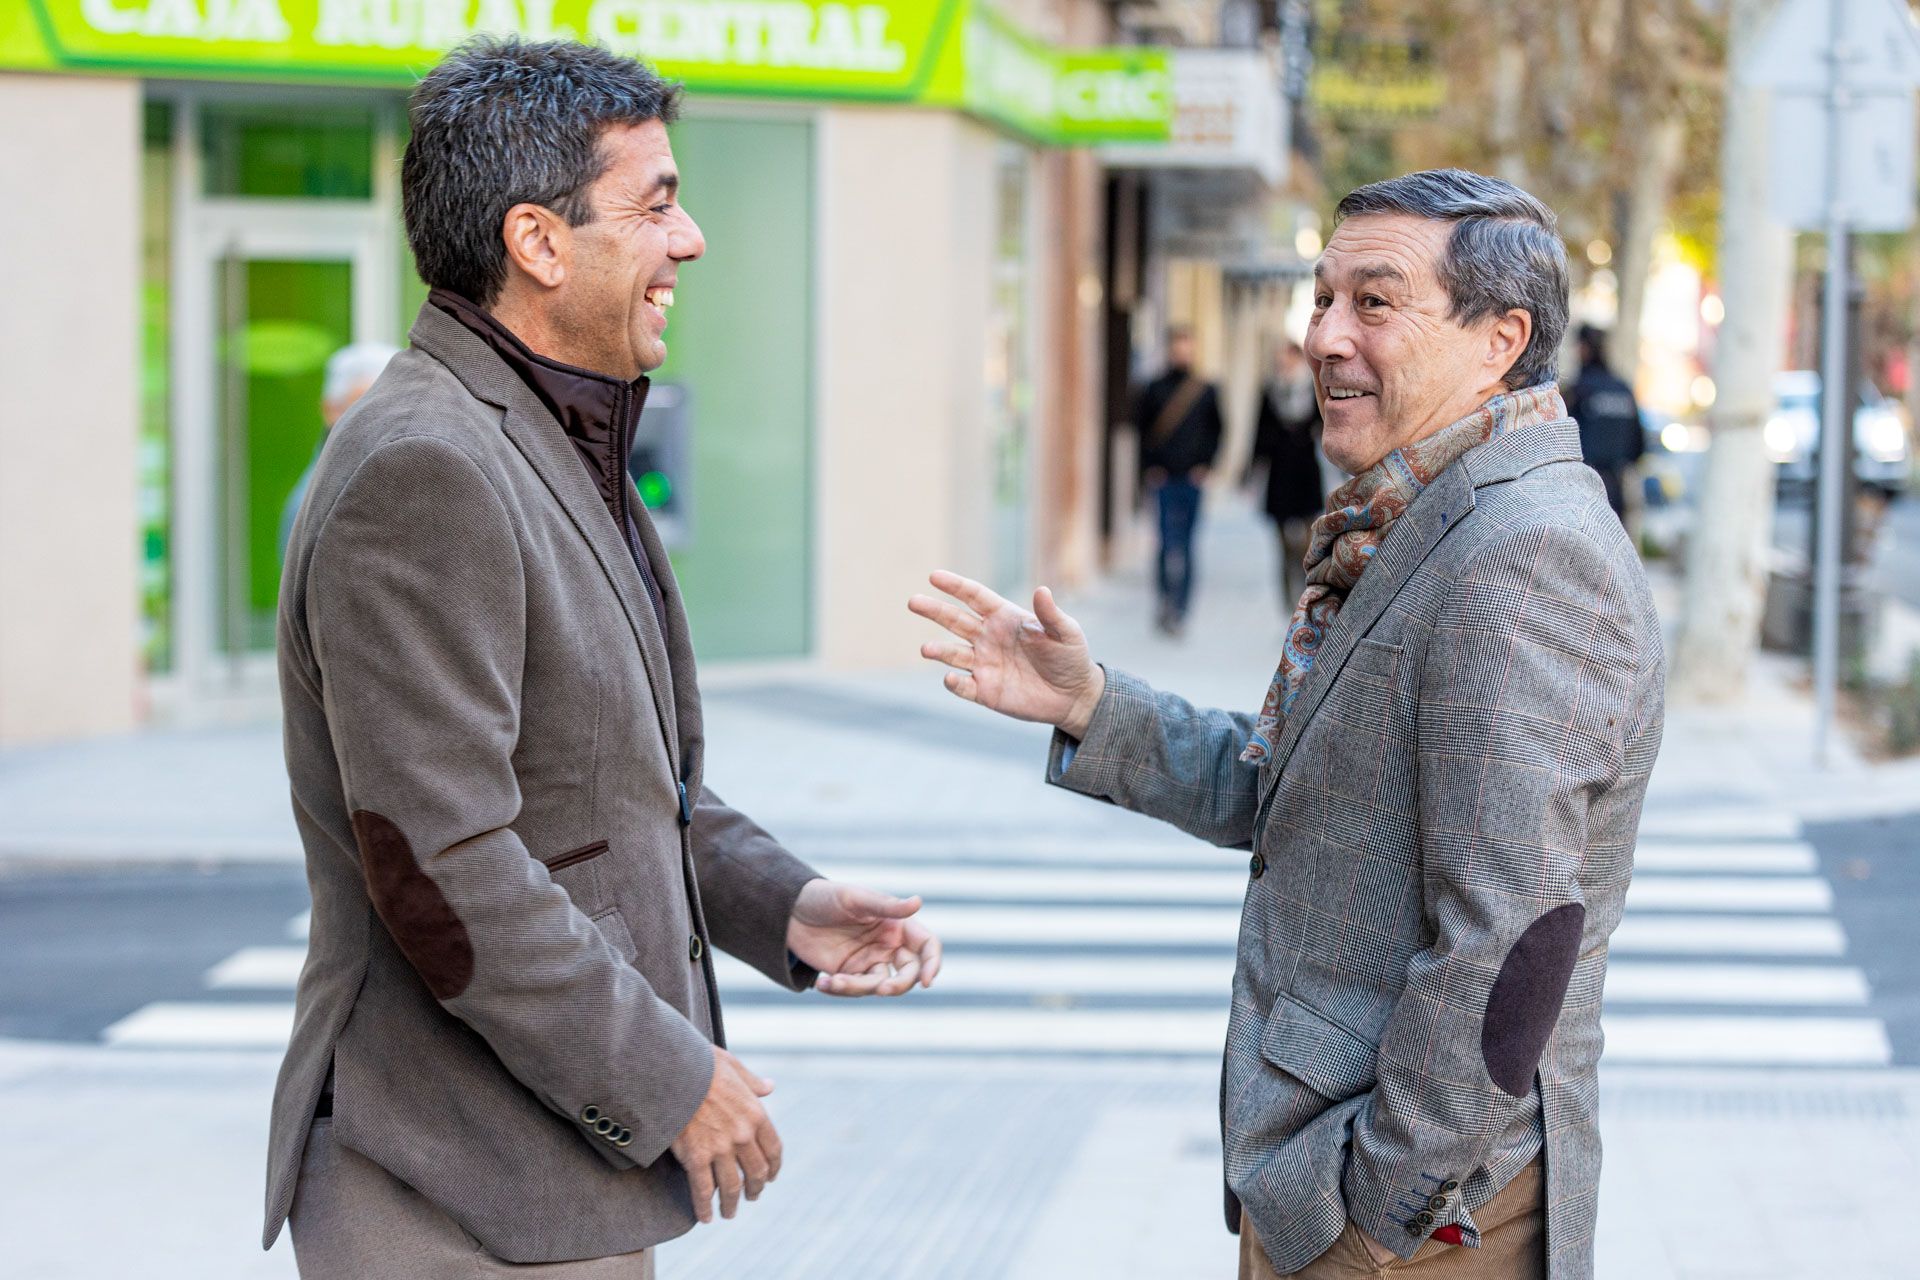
[{"x": 939, "y": 53}]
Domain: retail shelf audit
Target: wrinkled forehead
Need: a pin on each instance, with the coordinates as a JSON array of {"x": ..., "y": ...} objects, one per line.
[
  {"x": 639, "y": 161},
  {"x": 1384, "y": 250}
]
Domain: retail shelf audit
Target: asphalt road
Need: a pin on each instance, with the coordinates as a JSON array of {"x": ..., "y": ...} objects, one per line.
[
  {"x": 85, "y": 950},
  {"x": 1874, "y": 867}
]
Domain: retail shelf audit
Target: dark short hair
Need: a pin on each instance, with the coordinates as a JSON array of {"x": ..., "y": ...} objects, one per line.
[
  {"x": 503, "y": 121},
  {"x": 1592, "y": 339},
  {"x": 1504, "y": 254}
]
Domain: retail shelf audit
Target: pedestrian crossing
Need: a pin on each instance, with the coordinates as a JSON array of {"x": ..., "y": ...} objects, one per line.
[{"x": 1729, "y": 954}]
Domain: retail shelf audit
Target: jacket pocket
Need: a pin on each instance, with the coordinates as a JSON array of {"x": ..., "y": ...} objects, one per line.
[
  {"x": 1374, "y": 658},
  {"x": 574, "y": 857},
  {"x": 1326, "y": 1057},
  {"x": 613, "y": 927}
]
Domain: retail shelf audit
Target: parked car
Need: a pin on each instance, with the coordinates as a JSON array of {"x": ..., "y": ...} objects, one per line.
[
  {"x": 1675, "y": 454},
  {"x": 1881, "y": 454}
]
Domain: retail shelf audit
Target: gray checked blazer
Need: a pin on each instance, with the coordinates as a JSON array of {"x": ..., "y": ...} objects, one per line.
[
  {"x": 1442, "y": 840},
  {"x": 517, "y": 874}
]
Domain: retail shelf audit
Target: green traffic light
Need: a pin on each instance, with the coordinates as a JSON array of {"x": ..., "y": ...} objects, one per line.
[{"x": 655, "y": 490}]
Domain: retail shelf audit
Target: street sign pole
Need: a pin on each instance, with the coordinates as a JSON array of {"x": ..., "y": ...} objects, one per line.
[
  {"x": 1846, "y": 87},
  {"x": 1835, "y": 424}
]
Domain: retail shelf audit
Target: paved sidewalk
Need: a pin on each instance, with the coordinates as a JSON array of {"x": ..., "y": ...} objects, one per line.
[
  {"x": 930, "y": 1165},
  {"x": 861, "y": 749}
]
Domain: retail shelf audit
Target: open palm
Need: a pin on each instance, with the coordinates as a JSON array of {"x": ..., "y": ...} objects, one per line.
[{"x": 1028, "y": 665}]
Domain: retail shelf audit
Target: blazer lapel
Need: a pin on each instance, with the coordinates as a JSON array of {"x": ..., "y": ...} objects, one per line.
[
  {"x": 538, "y": 437},
  {"x": 544, "y": 445},
  {"x": 683, "y": 692},
  {"x": 1438, "y": 508}
]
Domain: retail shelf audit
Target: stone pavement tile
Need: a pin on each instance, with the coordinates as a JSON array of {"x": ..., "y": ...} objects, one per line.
[
  {"x": 1768, "y": 1175},
  {"x": 122, "y": 1165},
  {"x": 937, "y": 1168},
  {"x": 1140, "y": 1201},
  {"x": 1628, "y": 1243},
  {"x": 173, "y": 795}
]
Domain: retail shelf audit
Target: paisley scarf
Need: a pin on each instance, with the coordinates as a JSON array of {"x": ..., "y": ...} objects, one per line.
[{"x": 1359, "y": 516}]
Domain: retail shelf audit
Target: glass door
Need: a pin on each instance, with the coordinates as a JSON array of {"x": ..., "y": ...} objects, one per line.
[
  {"x": 284, "y": 247},
  {"x": 279, "y": 322},
  {"x": 279, "y": 291}
]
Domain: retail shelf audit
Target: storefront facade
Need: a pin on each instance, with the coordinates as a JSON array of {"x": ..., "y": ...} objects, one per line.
[{"x": 859, "y": 386}]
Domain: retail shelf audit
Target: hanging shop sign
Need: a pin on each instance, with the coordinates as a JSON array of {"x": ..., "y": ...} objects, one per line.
[
  {"x": 940, "y": 53},
  {"x": 1228, "y": 113},
  {"x": 1062, "y": 96}
]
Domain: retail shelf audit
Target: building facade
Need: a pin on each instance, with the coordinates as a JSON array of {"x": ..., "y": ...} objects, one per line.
[{"x": 888, "y": 361}]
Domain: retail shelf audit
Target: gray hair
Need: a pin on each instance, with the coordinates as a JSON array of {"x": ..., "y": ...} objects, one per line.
[
  {"x": 355, "y": 366},
  {"x": 1504, "y": 254},
  {"x": 501, "y": 122}
]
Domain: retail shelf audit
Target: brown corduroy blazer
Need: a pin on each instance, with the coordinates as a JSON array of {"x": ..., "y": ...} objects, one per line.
[{"x": 517, "y": 874}]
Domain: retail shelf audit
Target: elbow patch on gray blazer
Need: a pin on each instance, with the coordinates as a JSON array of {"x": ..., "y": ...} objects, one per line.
[
  {"x": 1527, "y": 995},
  {"x": 412, "y": 907}
]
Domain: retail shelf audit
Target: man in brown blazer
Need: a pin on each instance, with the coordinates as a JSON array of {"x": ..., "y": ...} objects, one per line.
[{"x": 507, "y": 1047}]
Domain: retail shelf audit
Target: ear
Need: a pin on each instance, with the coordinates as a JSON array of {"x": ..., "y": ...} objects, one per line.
[
  {"x": 539, "y": 244},
  {"x": 1507, "y": 342}
]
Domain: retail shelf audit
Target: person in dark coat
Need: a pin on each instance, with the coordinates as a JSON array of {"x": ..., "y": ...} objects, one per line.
[
  {"x": 1611, "y": 438},
  {"x": 1286, "y": 445},
  {"x": 1178, "y": 416}
]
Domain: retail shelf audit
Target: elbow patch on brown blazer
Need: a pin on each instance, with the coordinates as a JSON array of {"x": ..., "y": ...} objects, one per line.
[
  {"x": 1527, "y": 995},
  {"x": 412, "y": 907}
]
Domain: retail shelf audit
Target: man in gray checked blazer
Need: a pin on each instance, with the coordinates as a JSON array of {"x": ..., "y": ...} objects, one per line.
[
  {"x": 1442, "y": 789},
  {"x": 506, "y": 1047}
]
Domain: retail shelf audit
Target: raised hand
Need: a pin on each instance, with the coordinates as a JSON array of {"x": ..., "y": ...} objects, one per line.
[
  {"x": 730, "y": 1145},
  {"x": 863, "y": 942},
  {"x": 1028, "y": 665}
]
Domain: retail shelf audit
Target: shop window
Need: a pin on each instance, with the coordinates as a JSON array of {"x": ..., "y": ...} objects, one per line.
[{"x": 288, "y": 153}]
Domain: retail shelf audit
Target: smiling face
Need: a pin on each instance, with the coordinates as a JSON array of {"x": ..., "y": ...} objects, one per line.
[
  {"x": 1391, "y": 364},
  {"x": 596, "y": 295},
  {"x": 626, "y": 261}
]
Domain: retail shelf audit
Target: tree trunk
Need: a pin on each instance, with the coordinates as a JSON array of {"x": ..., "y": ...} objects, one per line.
[
  {"x": 1727, "y": 556},
  {"x": 1646, "y": 213},
  {"x": 1509, "y": 98}
]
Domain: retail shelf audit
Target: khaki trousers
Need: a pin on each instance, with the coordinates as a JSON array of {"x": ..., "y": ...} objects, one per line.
[
  {"x": 352, "y": 1220},
  {"x": 1512, "y": 1245}
]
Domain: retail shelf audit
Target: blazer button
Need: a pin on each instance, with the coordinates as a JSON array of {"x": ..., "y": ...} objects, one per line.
[
  {"x": 1450, "y": 1186},
  {"x": 1437, "y": 1203},
  {"x": 695, "y": 948},
  {"x": 589, "y": 1114},
  {"x": 603, "y": 1126},
  {"x": 1413, "y": 1228},
  {"x": 624, "y": 1138},
  {"x": 1257, "y": 865},
  {"x": 1424, "y": 1218}
]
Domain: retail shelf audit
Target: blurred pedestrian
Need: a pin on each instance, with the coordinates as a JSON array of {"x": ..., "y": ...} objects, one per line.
[
  {"x": 1442, "y": 789},
  {"x": 1178, "y": 416},
  {"x": 506, "y": 1037},
  {"x": 1286, "y": 447},
  {"x": 1611, "y": 437},
  {"x": 351, "y": 372}
]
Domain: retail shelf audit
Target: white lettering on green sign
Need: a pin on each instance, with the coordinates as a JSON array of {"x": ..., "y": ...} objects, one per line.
[
  {"x": 940, "y": 53},
  {"x": 432, "y": 24},
  {"x": 208, "y": 20},
  {"x": 750, "y": 33},
  {"x": 1111, "y": 94}
]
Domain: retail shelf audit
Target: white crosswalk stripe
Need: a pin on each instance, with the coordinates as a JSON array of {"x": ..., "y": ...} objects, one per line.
[{"x": 1728, "y": 955}]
